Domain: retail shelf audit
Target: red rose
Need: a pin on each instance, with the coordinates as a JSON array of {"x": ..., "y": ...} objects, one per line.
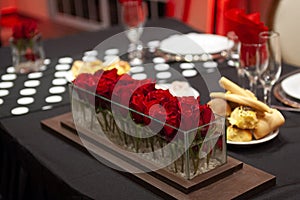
[
  {"x": 123, "y": 91},
  {"x": 190, "y": 112},
  {"x": 206, "y": 117},
  {"x": 137, "y": 104},
  {"x": 30, "y": 29},
  {"x": 173, "y": 120},
  {"x": 86, "y": 82},
  {"x": 138, "y": 99},
  {"x": 160, "y": 97},
  {"x": 145, "y": 87},
  {"x": 18, "y": 32},
  {"x": 106, "y": 82},
  {"x": 25, "y": 30},
  {"x": 156, "y": 111},
  {"x": 161, "y": 105}
]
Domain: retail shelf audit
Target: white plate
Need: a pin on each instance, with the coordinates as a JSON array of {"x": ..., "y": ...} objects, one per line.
[
  {"x": 166, "y": 86},
  {"x": 290, "y": 86},
  {"x": 269, "y": 137},
  {"x": 194, "y": 43}
]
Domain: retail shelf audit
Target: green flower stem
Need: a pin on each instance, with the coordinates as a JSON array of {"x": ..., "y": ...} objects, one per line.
[
  {"x": 100, "y": 122},
  {"x": 113, "y": 124},
  {"x": 137, "y": 139},
  {"x": 182, "y": 163},
  {"x": 124, "y": 133},
  {"x": 173, "y": 156},
  {"x": 115, "y": 127},
  {"x": 147, "y": 143},
  {"x": 82, "y": 108},
  {"x": 152, "y": 146},
  {"x": 105, "y": 120},
  {"x": 193, "y": 159},
  {"x": 161, "y": 143},
  {"x": 208, "y": 158}
]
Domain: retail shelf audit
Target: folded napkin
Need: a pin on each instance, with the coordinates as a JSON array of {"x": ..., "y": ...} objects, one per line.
[
  {"x": 133, "y": 12},
  {"x": 123, "y": 1},
  {"x": 246, "y": 26}
]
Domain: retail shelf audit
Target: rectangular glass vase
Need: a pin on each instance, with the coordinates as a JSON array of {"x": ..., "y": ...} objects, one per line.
[{"x": 189, "y": 154}]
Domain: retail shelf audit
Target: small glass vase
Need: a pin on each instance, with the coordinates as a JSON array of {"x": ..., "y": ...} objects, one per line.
[{"x": 27, "y": 54}]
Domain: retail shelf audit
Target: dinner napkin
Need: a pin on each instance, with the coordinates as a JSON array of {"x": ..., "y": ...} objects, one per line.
[
  {"x": 246, "y": 26},
  {"x": 122, "y": 1}
]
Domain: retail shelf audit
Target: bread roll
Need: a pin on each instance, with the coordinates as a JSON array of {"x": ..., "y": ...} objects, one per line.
[
  {"x": 241, "y": 100},
  {"x": 234, "y": 88},
  {"x": 268, "y": 123},
  {"x": 243, "y": 118},
  {"x": 238, "y": 135}
]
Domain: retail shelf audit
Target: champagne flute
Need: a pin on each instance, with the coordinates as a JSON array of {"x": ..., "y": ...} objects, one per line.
[
  {"x": 249, "y": 59},
  {"x": 134, "y": 14},
  {"x": 270, "y": 62}
]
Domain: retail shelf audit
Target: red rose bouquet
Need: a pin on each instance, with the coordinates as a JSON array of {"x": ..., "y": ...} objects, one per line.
[
  {"x": 143, "y": 97},
  {"x": 26, "y": 47},
  {"x": 137, "y": 115},
  {"x": 23, "y": 37}
]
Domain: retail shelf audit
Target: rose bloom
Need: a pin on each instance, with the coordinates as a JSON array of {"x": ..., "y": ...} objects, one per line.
[
  {"x": 163, "y": 106},
  {"x": 87, "y": 82},
  {"x": 206, "y": 116},
  {"x": 138, "y": 99},
  {"x": 25, "y": 30},
  {"x": 137, "y": 104},
  {"x": 106, "y": 83},
  {"x": 123, "y": 91},
  {"x": 190, "y": 112}
]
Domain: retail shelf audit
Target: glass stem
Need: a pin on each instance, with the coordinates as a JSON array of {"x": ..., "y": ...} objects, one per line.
[
  {"x": 267, "y": 95},
  {"x": 253, "y": 84},
  {"x": 241, "y": 76}
]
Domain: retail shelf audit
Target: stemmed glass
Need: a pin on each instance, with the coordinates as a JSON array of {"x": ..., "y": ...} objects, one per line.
[
  {"x": 134, "y": 14},
  {"x": 249, "y": 61},
  {"x": 270, "y": 62},
  {"x": 233, "y": 56}
]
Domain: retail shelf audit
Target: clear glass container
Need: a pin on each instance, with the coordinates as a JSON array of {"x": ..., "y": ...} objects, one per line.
[
  {"x": 189, "y": 154},
  {"x": 27, "y": 54}
]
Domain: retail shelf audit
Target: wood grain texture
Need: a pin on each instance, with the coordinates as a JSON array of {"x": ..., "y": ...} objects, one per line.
[{"x": 234, "y": 180}]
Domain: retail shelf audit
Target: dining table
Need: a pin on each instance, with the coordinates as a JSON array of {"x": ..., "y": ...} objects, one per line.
[{"x": 37, "y": 164}]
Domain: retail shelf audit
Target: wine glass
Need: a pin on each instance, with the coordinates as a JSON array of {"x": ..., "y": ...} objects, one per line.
[
  {"x": 233, "y": 56},
  {"x": 134, "y": 14},
  {"x": 270, "y": 62},
  {"x": 249, "y": 59}
]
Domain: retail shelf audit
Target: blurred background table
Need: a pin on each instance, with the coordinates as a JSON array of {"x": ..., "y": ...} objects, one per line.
[{"x": 35, "y": 164}]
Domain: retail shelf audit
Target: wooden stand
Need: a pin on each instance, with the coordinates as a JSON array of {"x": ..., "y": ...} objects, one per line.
[{"x": 233, "y": 180}]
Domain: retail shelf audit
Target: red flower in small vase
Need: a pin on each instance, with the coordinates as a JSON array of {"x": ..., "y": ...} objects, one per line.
[
  {"x": 30, "y": 55},
  {"x": 25, "y": 31}
]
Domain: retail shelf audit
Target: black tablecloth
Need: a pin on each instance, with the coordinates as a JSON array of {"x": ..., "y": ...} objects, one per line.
[{"x": 35, "y": 164}]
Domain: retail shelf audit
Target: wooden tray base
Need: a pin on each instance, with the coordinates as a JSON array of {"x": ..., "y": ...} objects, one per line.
[{"x": 233, "y": 180}]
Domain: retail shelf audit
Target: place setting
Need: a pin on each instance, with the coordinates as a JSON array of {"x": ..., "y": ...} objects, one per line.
[
  {"x": 174, "y": 105},
  {"x": 286, "y": 90}
]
